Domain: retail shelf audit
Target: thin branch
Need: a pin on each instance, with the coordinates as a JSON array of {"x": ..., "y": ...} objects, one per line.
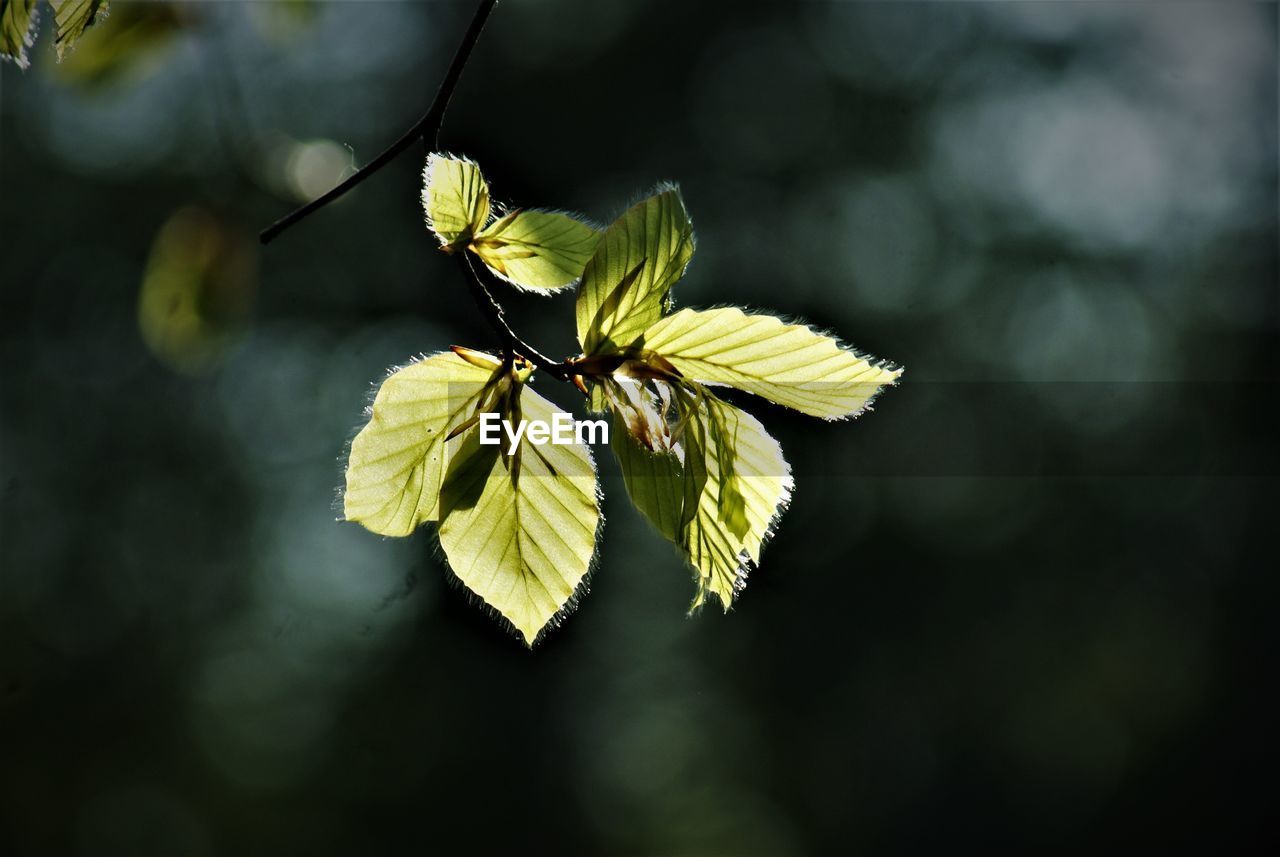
[
  {"x": 426, "y": 129},
  {"x": 489, "y": 307}
]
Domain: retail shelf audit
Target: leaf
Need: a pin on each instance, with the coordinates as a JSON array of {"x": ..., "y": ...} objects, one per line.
[
  {"x": 397, "y": 460},
  {"x": 520, "y": 532},
  {"x": 197, "y": 290},
  {"x": 653, "y": 478},
  {"x": 716, "y": 496},
  {"x": 538, "y": 250},
  {"x": 72, "y": 18},
  {"x": 455, "y": 197},
  {"x": 736, "y": 485},
  {"x": 626, "y": 284},
  {"x": 789, "y": 364},
  {"x": 129, "y": 44},
  {"x": 17, "y": 30}
]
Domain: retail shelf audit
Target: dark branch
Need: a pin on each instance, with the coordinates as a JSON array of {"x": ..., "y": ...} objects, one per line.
[
  {"x": 492, "y": 311},
  {"x": 427, "y": 128}
]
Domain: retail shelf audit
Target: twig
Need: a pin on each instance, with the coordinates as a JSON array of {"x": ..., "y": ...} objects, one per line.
[
  {"x": 427, "y": 127},
  {"x": 493, "y": 313}
]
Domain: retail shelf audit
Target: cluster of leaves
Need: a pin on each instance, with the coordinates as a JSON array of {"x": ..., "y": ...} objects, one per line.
[
  {"x": 520, "y": 524},
  {"x": 519, "y": 527},
  {"x": 18, "y": 20}
]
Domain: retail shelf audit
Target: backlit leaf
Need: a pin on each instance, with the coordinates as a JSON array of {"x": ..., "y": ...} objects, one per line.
[
  {"x": 397, "y": 460},
  {"x": 626, "y": 284},
  {"x": 455, "y": 197},
  {"x": 72, "y": 18},
  {"x": 789, "y": 364},
  {"x": 716, "y": 494},
  {"x": 537, "y": 250},
  {"x": 745, "y": 486},
  {"x": 653, "y": 478},
  {"x": 520, "y": 531},
  {"x": 17, "y": 30}
]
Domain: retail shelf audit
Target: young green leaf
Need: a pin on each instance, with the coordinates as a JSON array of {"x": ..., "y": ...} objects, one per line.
[
  {"x": 789, "y": 364},
  {"x": 715, "y": 495},
  {"x": 520, "y": 531},
  {"x": 17, "y": 30},
  {"x": 626, "y": 283},
  {"x": 653, "y": 478},
  {"x": 397, "y": 460},
  {"x": 72, "y": 18},
  {"x": 746, "y": 484},
  {"x": 538, "y": 250},
  {"x": 455, "y": 197}
]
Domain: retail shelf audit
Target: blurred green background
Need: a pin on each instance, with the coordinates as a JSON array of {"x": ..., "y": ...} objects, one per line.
[{"x": 1025, "y": 604}]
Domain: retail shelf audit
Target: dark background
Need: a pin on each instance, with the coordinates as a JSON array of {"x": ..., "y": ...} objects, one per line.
[{"x": 1027, "y": 603}]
